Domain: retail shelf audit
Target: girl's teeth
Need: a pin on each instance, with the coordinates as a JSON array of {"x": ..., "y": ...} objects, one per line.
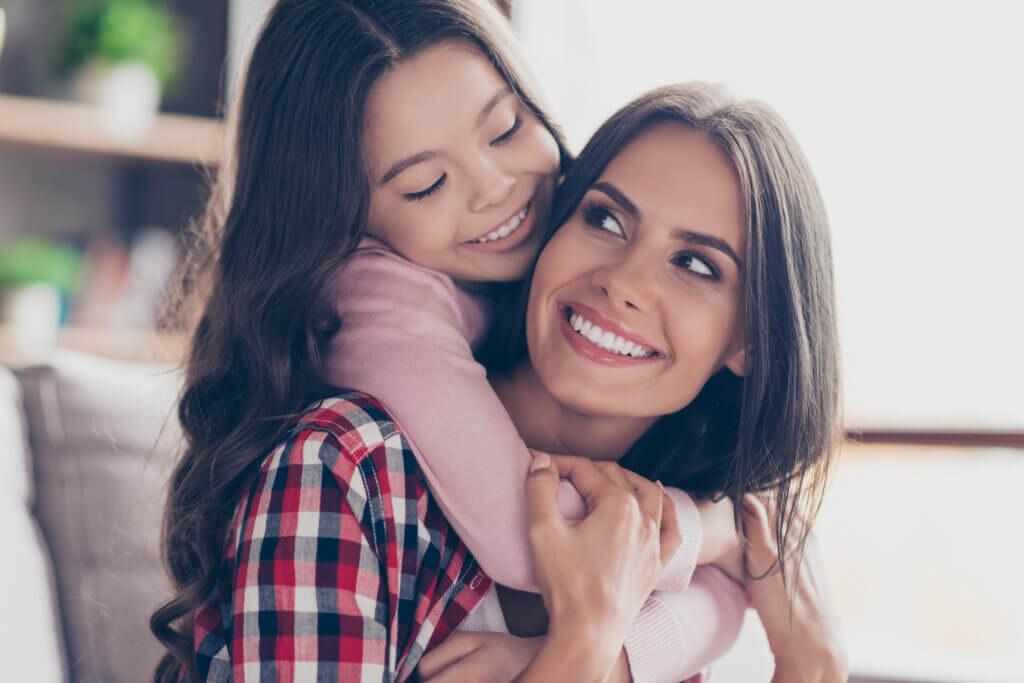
[
  {"x": 606, "y": 340},
  {"x": 505, "y": 230}
]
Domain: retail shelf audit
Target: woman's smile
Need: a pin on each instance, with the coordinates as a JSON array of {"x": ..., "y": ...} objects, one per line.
[{"x": 601, "y": 339}]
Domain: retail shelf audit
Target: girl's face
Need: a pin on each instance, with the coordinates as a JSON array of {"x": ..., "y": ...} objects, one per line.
[
  {"x": 462, "y": 173},
  {"x": 636, "y": 300}
]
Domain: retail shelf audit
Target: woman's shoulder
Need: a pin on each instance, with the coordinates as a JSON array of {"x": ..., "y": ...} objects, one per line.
[{"x": 351, "y": 422}]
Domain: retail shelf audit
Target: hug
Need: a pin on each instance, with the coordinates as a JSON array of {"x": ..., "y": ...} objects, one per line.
[{"x": 459, "y": 406}]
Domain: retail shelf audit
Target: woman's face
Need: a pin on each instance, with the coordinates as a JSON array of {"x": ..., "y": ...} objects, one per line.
[
  {"x": 636, "y": 300},
  {"x": 462, "y": 173}
]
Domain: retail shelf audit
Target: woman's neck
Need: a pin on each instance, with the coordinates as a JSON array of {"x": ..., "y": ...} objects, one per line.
[{"x": 548, "y": 425}]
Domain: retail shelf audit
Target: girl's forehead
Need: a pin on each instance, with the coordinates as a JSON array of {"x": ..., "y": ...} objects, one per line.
[{"x": 426, "y": 99}]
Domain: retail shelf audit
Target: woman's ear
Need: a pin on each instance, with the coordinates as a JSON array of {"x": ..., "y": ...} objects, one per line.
[{"x": 739, "y": 362}]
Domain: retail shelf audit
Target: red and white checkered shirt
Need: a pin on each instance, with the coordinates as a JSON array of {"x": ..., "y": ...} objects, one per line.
[{"x": 340, "y": 567}]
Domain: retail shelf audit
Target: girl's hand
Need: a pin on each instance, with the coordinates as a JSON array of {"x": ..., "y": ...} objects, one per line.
[
  {"x": 801, "y": 620},
  {"x": 720, "y": 544},
  {"x": 491, "y": 658},
  {"x": 478, "y": 658}
]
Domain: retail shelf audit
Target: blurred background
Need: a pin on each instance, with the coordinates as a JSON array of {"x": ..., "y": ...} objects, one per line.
[{"x": 909, "y": 112}]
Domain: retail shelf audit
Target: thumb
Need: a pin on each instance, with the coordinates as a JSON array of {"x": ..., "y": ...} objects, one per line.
[{"x": 541, "y": 490}]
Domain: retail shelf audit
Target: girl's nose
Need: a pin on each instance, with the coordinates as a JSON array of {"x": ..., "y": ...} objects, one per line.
[{"x": 493, "y": 186}]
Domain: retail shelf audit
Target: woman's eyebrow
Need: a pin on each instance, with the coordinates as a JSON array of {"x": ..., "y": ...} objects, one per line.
[
  {"x": 400, "y": 166},
  {"x": 708, "y": 241},
  {"x": 618, "y": 197},
  {"x": 692, "y": 236}
]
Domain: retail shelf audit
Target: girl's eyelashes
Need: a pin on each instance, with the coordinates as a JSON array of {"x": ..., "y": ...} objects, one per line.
[
  {"x": 423, "y": 194},
  {"x": 697, "y": 264},
  {"x": 507, "y": 135},
  {"x": 602, "y": 218}
]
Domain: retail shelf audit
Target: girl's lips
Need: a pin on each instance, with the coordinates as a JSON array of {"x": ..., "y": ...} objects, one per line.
[
  {"x": 597, "y": 354},
  {"x": 512, "y": 240},
  {"x": 606, "y": 324}
]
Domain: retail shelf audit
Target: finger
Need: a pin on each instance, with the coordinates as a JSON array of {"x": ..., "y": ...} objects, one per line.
[
  {"x": 454, "y": 648},
  {"x": 650, "y": 495},
  {"x": 590, "y": 481},
  {"x": 671, "y": 536},
  {"x": 541, "y": 489},
  {"x": 465, "y": 669},
  {"x": 761, "y": 547},
  {"x": 616, "y": 473}
]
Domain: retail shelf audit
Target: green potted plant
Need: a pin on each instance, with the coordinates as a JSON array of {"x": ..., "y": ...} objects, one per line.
[{"x": 121, "y": 55}]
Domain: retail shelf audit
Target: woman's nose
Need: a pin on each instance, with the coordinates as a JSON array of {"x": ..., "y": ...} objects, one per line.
[
  {"x": 626, "y": 281},
  {"x": 493, "y": 185}
]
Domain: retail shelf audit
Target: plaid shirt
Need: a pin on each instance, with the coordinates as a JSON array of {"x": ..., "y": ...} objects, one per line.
[{"x": 340, "y": 567}]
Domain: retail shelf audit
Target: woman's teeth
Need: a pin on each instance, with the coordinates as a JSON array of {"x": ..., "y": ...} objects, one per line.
[
  {"x": 606, "y": 340},
  {"x": 505, "y": 230}
]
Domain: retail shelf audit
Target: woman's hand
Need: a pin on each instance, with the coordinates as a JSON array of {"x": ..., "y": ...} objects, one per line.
[
  {"x": 594, "y": 573},
  {"x": 801, "y": 620}
]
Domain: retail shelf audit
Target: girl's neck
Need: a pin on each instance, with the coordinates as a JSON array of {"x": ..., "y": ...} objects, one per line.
[{"x": 547, "y": 425}]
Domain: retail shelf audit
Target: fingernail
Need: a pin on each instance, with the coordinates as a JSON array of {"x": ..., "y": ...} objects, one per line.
[{"x": 540, "y": 461}]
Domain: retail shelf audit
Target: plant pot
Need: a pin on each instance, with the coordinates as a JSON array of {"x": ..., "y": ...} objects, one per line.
[{"x": 127, "y": 92}]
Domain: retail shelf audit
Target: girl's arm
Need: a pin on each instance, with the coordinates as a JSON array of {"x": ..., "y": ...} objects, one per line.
[{"x": 405, "y": 338}]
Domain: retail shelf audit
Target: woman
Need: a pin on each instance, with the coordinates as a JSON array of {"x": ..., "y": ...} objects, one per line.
[{"x": 690, "y": 225}]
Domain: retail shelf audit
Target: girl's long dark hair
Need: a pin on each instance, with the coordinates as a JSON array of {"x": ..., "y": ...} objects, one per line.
[
  {"x": 288, "y": 207},
  {"x": 777, "y": 428}
]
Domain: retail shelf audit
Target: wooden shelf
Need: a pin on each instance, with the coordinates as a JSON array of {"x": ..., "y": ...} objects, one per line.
[{"x": 80, "y": 127}]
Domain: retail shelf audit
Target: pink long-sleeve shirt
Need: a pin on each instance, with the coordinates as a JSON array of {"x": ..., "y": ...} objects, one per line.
[{"x": 407, "y": 338}]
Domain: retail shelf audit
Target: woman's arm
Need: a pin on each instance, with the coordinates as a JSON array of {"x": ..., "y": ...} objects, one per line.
[{"x": 800, "y": 619}]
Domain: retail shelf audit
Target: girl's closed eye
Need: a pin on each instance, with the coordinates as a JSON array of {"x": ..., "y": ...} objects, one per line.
[
  {"x": 508, "y": 134},
  {"x": 697, "y": 264},
  {"x": 423, "y": 194},
  {"x": 601, "y": 217}
]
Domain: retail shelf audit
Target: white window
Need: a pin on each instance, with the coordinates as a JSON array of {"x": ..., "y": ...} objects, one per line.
[{"x": 910, "y": 114}]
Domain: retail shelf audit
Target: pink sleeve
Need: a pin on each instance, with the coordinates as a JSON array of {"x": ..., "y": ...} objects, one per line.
[
  {"x": 676, "y": 635},
  {"x": 404, "y": 340}
]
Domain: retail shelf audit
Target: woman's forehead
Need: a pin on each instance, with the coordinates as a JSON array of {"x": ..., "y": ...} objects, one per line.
[{"x": 677, "y": 175}]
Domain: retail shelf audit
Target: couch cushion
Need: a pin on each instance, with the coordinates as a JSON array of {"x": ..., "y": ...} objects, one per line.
[
  {"x": 103, "y": 435},
  {"x": 31, "y": 646}
]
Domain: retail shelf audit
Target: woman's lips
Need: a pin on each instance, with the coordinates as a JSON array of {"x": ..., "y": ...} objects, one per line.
[
  {"x": 513, "y": 239},
  {"x": 589, "y": 350},
  {"x": 606, "y": 324}
]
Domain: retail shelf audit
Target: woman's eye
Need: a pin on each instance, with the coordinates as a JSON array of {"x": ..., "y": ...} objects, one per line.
[
  {"x": 507, "y": 135},
  {"x": 423, "y": 194},
  {"x": 697, "y": 265},
  {"x": 602, "y": 218}
]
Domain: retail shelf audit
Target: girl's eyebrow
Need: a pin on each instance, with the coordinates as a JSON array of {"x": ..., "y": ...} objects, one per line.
[
  {"x": 400, "y": 166},
  {"x": 695, "y": 237}
]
